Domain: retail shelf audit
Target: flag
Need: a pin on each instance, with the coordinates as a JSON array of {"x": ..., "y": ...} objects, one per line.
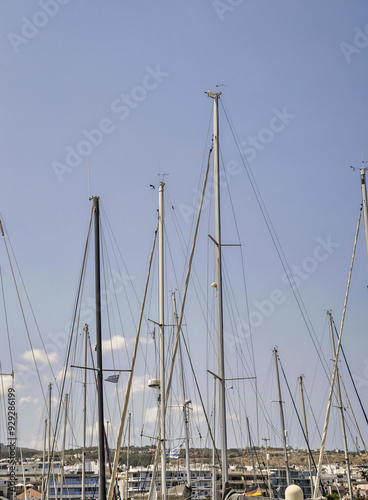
[
  {"x": 174, "y": 453},
  {"x": 254, "y": 492},
  {"x": 112, "y": 378}
]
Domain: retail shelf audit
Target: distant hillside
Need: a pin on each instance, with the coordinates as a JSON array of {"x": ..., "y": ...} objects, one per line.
[
  {"x": 143, "y": 456},
  {"x": 26, "y": 452}
]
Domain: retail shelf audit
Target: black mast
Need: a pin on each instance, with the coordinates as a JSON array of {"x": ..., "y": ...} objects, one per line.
[{"x": 101, "y": 427}]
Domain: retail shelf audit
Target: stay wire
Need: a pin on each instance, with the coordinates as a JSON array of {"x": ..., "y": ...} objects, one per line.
[
  {"x": 243, "y": 267},
  {"x": 184, "y": 299},
  {"x": 317, "y": 428},
  {"x": 75, "y": 328},
  {"x": 110, "y": 319},
  {"x": 114, "y": 246},
  {"x": 353, "y": 414},
  {"x": 107, "y": 263},
  {"x": 351, "y": 377},
  {"x": 29, "y": 304},
  {"x": 25, "y": 321},
  {"x": 300, "y": 423},
  {"x": 128, "y": 277},
  {"x": 74, "y": 318},
  {"x": 277, "y": 244},
  {"x": 116, "y": 250}
]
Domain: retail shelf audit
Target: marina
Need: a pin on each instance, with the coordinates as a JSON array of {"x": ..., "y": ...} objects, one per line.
[{"x": 183, "y": 251}]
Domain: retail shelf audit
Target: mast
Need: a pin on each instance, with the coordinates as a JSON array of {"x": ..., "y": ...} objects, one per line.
[
  {"x": 251, "y": 451},
  {"x": 306, "y": 431},
  {"x": 324, "y": 434},
  {"x": 49, "y": 443},
  {"x": 162, "y": 337},
  {"x": 49, "y": 428},
  {"x": 270, "y": 489},
  {"x": 220, "y": 323},
  {"x": 85, "y": 329},
  {"x": 43, "y": 461},
  {"x": 214, "y": 489},
  {"x": 63, "y": 447},
  {"x": 101, "y": 430},
  {"x": 128, "y": 449},
  {"x": 283, "y": 430},
  {"x": 341, "y": 409},
  {"x": 185, "y": 401}
]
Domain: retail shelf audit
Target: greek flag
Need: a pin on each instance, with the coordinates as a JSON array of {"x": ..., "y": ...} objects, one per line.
[
  {"x": 112, "y": 378},
  {"x": 174, "y": 453}
]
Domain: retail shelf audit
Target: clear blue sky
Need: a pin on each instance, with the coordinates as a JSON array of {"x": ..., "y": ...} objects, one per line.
[{"x": 120, "y": 86}]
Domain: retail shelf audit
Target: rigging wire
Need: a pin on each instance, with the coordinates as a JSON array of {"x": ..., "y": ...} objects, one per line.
[
  {"x": 109, "y": 319},
  {"x": 324, "y": 435},
  {"x": 243, "y": 269},
  {"x": 276, "y": 242},
  {"x": 67, "y": 356},
  {"x": 126, "y": 278},
  {"x": 300, "y": 423},
  {"x": 23, "y": 315},
  {"x": 352, "y": 378},
  {"x": 5, "y": 238},
  {"x": 353, "y": 414},
  {"x": 130, "y": 379}
]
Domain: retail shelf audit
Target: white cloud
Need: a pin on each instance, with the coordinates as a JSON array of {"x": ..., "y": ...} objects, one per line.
[
  {"x": 143, "y": 340},
  {"x": 28, "y": 399},
  {"x": 22, "y": 368},
  {"x": 151, "y": 415},
  {"x": 198, "y": 411},
  {"x": 140, "y": 383},
  {"x": 40, "y": 356},
  {"x": 60, "y": 374},
  {"x": 117, "y": 342}
]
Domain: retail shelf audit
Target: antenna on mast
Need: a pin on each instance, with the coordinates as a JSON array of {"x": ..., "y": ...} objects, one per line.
[{"x": 163, "y": 177}]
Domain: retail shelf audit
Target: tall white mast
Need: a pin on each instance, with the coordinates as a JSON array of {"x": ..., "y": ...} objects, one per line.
[
  {"x": 251, "y": 451},
  {"x": 306, "y": 431},
  {"x": 220, "y": 323},
  {"x": 162, "y": 336},
  {"x": 128, "y": 450},
  {"x": 63, "y": 447},
  {"x": 214, "y": 489},
  {"x": 270, "y": 489},
  {"x": 85, "y": 329},
  {"x": 43, "y": 484},
  {"x": 49, "y": 443},
  {"x": 324, "y": 434},
  {"x": 283, "y": 430}
]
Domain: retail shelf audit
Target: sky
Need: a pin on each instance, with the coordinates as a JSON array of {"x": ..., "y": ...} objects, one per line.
[{"x": 117, "y": 89}]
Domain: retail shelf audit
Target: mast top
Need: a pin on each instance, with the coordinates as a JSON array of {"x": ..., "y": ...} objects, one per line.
[{"x": 213, "y": 94}]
